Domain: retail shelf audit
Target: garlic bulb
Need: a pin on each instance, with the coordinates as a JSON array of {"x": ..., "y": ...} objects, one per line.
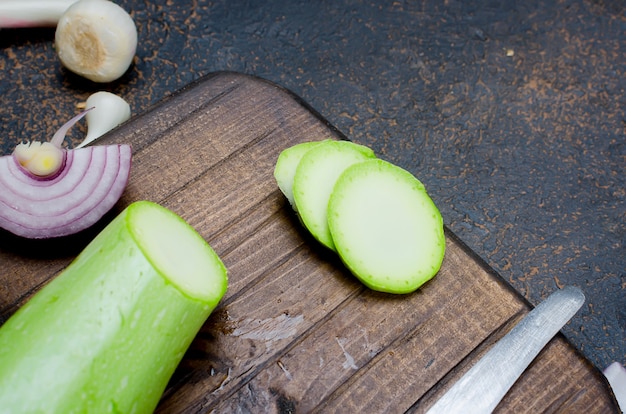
[
  {"x": 109, "y": 111},
  {"x": 96, "y": 39}
]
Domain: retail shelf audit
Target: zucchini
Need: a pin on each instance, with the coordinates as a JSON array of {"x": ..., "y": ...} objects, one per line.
[
  {"x": 286, "y": 165},
  {"x": 385, "y": 227},
  {"x": 315, "y": 178},
  {"x": 375, "y": 215},
  {"x": 106, "y": 335}
]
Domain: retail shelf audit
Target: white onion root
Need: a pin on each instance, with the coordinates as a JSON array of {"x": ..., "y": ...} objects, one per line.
[{"x": 96, "y": 39}]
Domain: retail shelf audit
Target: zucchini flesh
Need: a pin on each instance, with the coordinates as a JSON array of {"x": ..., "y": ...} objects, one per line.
[
  {"x": 286, "y": 165},
  {"x": 108, "y": 332},
  {"x": 385, "y": 227},
  {"x": 315, "y": 178}
]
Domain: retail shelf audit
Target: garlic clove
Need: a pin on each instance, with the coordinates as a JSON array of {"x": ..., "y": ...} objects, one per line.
[
  {"x": 109, "y": 111},
  {"x": 96, "y": 39}
]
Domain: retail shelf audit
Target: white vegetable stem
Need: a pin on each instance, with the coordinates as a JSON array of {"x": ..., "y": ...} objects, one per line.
[
  {"x": 108, "y": 332},
  {"x": 32, "y": 13},
  {"x": 96, "y": 39},
  {"x": 109, "y": 111}
]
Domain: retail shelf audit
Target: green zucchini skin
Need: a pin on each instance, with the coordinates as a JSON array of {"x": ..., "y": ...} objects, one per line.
[{"x": 107, "y": 333}]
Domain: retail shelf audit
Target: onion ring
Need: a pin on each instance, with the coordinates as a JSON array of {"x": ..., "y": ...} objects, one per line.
[{"x": 91, "y": 181}]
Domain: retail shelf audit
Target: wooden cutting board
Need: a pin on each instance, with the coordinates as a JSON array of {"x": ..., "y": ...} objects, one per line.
[{"x": 295, "y": 331}]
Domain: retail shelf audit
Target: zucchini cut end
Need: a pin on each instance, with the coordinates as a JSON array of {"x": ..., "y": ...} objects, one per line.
[
  {"x": 386, "y": 228},
  {"x": 177, "y": 251}
]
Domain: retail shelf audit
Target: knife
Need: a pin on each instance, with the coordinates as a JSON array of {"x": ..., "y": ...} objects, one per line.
[{"x": 482, "y": 387}]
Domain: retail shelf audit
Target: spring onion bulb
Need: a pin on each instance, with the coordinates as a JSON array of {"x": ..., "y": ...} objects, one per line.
[
  {"x": 48, "y": 191},
  {"x": 96, "y": 39},
  {"x": 107, "y": 333},
  {"x": 32, "y": 13},
  {"x": 109, "y": 111}
]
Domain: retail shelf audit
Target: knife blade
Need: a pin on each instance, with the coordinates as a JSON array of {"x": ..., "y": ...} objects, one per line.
[{"x": 482, "y": 387}]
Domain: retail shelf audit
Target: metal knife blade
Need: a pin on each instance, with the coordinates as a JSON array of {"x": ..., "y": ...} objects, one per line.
[{"x": 486, "y": 383}]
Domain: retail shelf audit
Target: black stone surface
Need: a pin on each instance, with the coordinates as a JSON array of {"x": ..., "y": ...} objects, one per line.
[{"x": 513, "y": 113}]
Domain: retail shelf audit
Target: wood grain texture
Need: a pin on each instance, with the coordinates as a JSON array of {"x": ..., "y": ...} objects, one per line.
[{"x": 295, "y": 331}]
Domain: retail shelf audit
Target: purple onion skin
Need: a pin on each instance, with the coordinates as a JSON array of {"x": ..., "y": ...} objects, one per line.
[{"x": 89, "y": 183}]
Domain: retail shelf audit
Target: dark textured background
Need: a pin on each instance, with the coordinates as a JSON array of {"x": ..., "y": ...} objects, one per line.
[{"x": 513, "y": 113}]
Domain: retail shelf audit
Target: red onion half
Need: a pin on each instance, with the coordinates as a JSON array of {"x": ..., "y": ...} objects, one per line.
[{"x": 89, "y": 184}]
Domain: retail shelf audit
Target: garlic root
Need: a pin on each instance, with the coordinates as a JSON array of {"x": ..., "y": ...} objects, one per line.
[{"x": 96, "y": 39}]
